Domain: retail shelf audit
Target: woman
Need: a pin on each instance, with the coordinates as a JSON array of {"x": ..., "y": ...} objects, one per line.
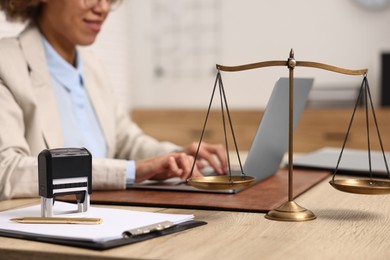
[{"x": 53, "y": 94}]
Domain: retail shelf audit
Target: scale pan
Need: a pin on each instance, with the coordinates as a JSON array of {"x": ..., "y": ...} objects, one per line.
[
  {"x": 220, "y": 182},
  {"x": 362, "y": 186}
]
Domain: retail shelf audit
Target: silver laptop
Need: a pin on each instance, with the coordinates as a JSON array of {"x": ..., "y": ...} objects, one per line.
[
  {"x": 353, "y": 161},
  {"x": 269, "y": 144}
]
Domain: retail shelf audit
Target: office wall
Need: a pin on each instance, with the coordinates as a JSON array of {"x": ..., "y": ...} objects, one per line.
[
  {"x": 161, "y": 54},
  {"x": 336, "y": 32}
]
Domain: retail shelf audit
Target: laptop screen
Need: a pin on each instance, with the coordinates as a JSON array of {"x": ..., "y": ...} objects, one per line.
[{"x": 271, "y": 140}]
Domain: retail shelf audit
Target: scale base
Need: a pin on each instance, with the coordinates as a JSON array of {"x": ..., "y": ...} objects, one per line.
[{"x": 290, "y": 211}]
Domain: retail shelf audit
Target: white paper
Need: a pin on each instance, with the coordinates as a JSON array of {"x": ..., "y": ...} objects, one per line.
[{"x": 115, "y": 222}]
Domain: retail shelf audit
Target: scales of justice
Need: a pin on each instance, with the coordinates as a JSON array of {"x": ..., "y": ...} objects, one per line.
[{"x": 290, "y": 210}]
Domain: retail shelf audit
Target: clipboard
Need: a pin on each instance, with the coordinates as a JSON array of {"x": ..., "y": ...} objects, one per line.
[
  {"x": 106, "y": 244},
  {"x": 101, "y": 236}
]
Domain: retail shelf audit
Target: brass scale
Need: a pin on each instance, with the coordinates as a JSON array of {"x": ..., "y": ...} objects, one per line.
[{"x": 290, "y": 210}]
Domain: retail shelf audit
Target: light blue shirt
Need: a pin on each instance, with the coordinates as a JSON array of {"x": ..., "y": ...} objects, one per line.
[{"x": 79, "y": 122}]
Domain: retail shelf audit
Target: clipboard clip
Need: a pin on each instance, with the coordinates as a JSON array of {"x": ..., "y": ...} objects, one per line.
[{"x": 148, "y": 229}]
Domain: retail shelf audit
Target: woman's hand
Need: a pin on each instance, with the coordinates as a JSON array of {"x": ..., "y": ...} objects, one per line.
[
  {"x": 213, "y": 154},
  {"x": 165, "y": 167}
]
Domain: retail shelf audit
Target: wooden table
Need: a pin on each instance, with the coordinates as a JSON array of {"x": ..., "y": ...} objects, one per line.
[{"x": 348, "y": 226}]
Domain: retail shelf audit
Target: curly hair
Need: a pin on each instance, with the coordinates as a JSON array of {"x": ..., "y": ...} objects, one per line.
[
  {"x": 20, "y": 10},
  {"x": 27, "y": 10}
]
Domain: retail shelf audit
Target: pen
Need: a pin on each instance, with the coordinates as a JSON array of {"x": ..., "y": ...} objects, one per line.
[{"x": 55, "y": 220}]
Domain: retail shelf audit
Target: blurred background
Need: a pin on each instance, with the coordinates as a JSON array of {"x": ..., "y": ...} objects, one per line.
[{"x": 161, "y": 54}]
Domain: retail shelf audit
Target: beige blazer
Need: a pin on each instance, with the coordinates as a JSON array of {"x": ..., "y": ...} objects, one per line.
[{"x": 29, "y": 120}]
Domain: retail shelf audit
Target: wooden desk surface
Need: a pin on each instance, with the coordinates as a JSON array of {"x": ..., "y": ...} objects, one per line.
[{"x": 348, "y": 226}]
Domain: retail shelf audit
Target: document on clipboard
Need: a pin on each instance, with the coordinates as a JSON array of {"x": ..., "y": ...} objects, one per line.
[{"x": 118, "y": 227}]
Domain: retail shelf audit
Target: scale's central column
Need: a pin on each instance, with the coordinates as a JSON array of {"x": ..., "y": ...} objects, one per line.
[
  {"x": 291, "y": 65},
  {"x": 290, "y": 211}
]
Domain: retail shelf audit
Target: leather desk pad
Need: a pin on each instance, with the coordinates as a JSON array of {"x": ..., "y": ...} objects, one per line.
[{"x": 261, "y": 197}]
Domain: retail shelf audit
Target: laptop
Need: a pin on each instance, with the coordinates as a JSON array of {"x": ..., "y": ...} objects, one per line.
[
  {"x": 269, "y": 144},
  {"x": 353, "y": 161}
]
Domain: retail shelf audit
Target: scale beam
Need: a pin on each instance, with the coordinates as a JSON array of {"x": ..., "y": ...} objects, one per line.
[{"x": 273, "y": 63}]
